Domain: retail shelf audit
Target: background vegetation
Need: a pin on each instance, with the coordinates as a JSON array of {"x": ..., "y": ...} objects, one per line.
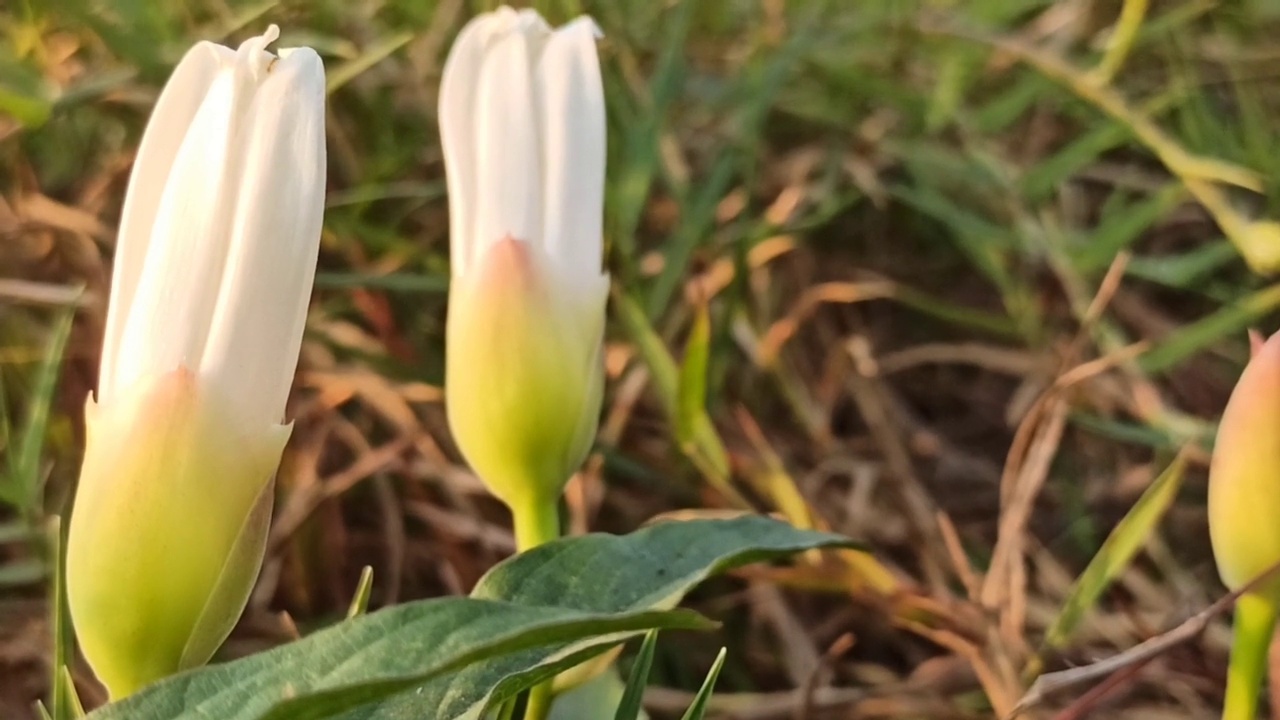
[{"x": 963, "y": 280}]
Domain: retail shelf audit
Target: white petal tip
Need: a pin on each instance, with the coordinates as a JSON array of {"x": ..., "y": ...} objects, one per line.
[
  {"x": 596, "y": 31},
  {"x": 302, "y": 60}
]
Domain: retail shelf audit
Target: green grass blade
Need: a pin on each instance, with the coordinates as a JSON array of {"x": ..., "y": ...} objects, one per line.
[
  {"x": 705, "y": 449},
  {"x": 65, "y": 702},
  {"x": 691, "y": 401},
  {"x": 1208, "y": 331},
  {"x": 344, "y": 73},
  {"x": 1128, "y": 537},
  {"x": 70, "y": 701},
  {"x": 698, "y": 709},
  {"x": 25, "y": 468},
  {"x": 360, "y": 601},
  {"x": 629, "y": 708},
  {"x": 629, "y": 193}
]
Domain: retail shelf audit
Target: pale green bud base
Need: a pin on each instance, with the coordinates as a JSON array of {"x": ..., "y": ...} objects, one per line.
[
  {"x": 524, "y": 373},
  {"x": 1254, "y": 624},
  {"x": 168, "y": 530}
]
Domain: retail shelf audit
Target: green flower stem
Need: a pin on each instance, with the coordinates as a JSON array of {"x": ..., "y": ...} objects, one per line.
[
  {"x": 1255, "y": 621},
  {"x": 540, "y": 699},
  {"x": 537, "y": 522}
]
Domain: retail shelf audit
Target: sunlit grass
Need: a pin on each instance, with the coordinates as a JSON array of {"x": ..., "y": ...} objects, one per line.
[{"x": 833, "y": 184}]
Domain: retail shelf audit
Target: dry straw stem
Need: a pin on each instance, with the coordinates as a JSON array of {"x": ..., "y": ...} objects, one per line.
[
  {"x": 913, "y": 497},
  {"x": 1003, "y": 592},
  {"x": 1027, "y": 465},
  {"x": 1139, "y": 654}
]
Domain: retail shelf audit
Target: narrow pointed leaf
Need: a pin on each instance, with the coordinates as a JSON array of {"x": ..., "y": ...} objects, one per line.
[
  {"x": 629, "y": 708},
  {"x": 360, "y": 601},
  {"x": 23, "y": 487},
  {"x": 699, "y": 707},
  {"x": 66, "y": 704},
  {"x": 1128, "y": 537},
  {"x": 70, "y": 707},
  {"x": 692, "y": 393}
]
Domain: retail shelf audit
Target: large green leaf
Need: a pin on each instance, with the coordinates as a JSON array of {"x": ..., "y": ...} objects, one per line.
[
  {"x": 652, "y": 568},
  {"x": 530, "y": 618},
  {"x": 381, "y": 653}
]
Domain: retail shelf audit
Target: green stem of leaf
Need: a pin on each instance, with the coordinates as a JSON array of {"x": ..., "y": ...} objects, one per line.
[{"x": 1255, "y": 620}]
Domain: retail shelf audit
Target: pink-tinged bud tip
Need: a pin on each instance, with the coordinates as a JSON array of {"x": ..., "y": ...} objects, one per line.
[{"x": 1244, "y": 476}]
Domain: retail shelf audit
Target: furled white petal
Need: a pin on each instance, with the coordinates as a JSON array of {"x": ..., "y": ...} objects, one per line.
[
  {"x": 536, "y": 32},
  {"x": 508, "y": 176},
  {"x": 172, "y": 116},
  {"x": 177, "y": 288},
  {"x": 257, "y": 328},
  {"x": 460, "y": 100},
  {"x": 457, "y": 135},
  {"x": 571, "y": 103},
  {"x": 528, "y": 21}
]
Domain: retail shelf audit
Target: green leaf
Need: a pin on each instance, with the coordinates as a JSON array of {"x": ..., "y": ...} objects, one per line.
[
  {"x": 629, "y": 707},
  {"x": 652, "y": 568},
  {"x": 530, "y": 618},
  {"x": 392, "y": 650},
  {"x": 1117, "y": 551},
  {"x": 699, "y": 707}
]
